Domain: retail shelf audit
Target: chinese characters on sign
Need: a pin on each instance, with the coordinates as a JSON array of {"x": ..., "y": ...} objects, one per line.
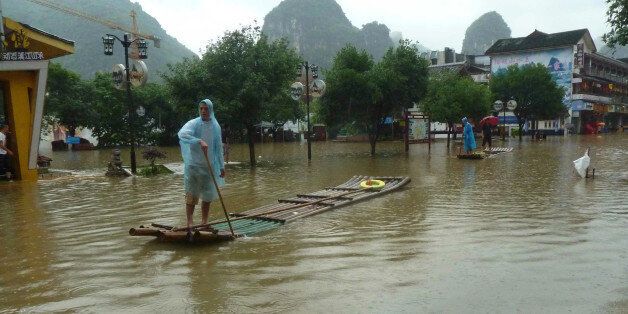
[
  {"x": 579, "y": 56},
  {"x": 22, "y": 56}
]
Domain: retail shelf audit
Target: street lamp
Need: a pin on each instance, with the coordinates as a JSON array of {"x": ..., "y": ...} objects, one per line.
[
  {"x": 498, "y": 105},
  {"x": 510, "y": 105},
  {"x": 308, "y": 67},
  {"x": 108, "y": 43}
]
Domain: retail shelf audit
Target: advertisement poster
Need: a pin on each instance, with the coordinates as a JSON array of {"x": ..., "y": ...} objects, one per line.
[{"x": 558, "y": 61}]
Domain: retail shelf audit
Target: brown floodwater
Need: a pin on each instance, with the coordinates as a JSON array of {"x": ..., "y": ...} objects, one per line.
[{"x": 518, "y": 232}]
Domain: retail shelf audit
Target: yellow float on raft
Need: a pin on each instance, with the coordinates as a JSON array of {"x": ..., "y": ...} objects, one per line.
[{"x": 372, "y": 184}]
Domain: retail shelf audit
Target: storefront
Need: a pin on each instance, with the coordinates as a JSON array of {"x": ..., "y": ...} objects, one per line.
[{"x": 23, "y": 74}]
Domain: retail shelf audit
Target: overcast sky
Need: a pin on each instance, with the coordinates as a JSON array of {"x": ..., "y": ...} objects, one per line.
[{"x": 435, "y": 24}]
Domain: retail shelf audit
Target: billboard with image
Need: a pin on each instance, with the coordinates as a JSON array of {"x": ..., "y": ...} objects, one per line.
[{"x": 559, "y": 62}]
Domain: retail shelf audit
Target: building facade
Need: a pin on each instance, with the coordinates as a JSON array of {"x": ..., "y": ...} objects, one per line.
[
  {"x": 26, "y": 52},
  {"x": 595, "y": 86}
]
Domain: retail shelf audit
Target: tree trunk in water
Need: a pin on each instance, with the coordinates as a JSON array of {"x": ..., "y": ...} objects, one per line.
[
  {"x": 373, "y": 141},
  {"x": 448, "y": 133},
  {"x": 374, "y": 134},
  {"x": 251, "y": 132},
  {"x": 520, "y": 131}
]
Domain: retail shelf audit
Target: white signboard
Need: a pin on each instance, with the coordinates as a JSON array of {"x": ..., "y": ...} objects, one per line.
[
  {"x": 119, "y": 76},
  {"x": 138, "y": 73},
  {"x": 296, "y": 90},
  {"x": 418, "y": 129},
  {"x": 317, "y": 88}
]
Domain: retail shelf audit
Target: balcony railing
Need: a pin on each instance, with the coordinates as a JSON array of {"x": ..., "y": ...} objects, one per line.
[{"x": 604, "y": 75}]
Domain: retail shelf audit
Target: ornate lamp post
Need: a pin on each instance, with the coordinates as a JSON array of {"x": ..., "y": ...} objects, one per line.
[
  {"x": 142, "y": 47},
  {"x": 498, "y": 105},
  {"x": 511, "y": 105},
  {"x": 313, "y": 88}
]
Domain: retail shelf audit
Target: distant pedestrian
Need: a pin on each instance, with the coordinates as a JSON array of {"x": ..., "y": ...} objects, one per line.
[
  {"x": 469, "y": 137},
  {"x": 5, "y": 152},
  {"x": 487, "y": 131}
]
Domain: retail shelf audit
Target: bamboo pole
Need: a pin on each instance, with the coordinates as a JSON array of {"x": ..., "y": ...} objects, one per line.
[{"x": 224, "y": 209}]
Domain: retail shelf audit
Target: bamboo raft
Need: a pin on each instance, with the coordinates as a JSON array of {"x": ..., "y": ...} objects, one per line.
[
  {"x": 257, "y": 220},
  {"x": 497, "y": 150},
  {"x": 485, "y": 153},
  {"x": 474, "y": 155}
]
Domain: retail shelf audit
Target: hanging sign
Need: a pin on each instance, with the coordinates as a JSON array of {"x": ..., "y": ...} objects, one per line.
[
  {"x": 296, "y": 90},
  {"x": 317, "y": 88},
  {"x": 119, "y": 76},
  {"x": 138, "y": 73},
  {"x": 579, "y": 56},
  {"x": 140, "y": 111}
]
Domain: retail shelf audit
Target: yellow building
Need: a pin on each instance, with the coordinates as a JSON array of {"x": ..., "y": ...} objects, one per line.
[{"x": 23, "y": 75}]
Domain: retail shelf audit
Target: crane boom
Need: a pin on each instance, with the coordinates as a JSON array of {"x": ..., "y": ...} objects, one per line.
[{"x": 110, "y": 24}]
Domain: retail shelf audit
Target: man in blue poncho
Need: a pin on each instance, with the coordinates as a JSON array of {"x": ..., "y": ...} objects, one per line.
[
  {"x": 200, "y": 138},
  {"x": 469, "y": 137}
]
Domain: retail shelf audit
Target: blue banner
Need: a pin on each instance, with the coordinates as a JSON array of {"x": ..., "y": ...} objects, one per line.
[
  {"x": 73, "y": 140},
  {"x": 509, "y": 120}
]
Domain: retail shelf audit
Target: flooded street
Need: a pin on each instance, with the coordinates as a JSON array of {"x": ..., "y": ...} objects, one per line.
[{"x": 515, "y": 232}]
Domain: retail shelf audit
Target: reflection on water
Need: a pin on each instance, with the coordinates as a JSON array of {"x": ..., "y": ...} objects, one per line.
[{"x": 514, "y": 232}]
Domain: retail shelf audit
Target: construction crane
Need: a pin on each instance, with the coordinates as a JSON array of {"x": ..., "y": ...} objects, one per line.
[{"x": 134, "y": 54}]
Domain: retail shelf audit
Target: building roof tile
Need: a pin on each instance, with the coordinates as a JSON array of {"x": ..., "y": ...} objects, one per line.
[{"x": 537, "y": 40}]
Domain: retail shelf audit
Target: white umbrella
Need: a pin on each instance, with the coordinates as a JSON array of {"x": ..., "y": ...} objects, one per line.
[{"x": 581, "y": 164}]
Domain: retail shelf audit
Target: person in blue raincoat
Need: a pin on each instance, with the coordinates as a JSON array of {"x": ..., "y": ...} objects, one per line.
[
  {"x": 469, "y": 137},
  {"x": 200, "y": 138}
]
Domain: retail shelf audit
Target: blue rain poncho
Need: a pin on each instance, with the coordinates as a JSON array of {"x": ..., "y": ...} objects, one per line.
[
  {"x": 196, "y": 176},
  {"x": 469, "y": 137}
]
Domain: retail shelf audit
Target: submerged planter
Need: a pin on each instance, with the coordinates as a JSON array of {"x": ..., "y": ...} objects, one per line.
[{"x": 153, "y": 170}]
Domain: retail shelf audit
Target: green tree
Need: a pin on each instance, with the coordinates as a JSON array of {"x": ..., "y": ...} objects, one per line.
[
  {"x": 363, "y": 93},
  {"x": 451, "y": 97},
  {"x": 188, "y": 84},
  {"x": 536, "y": 93},
  {"x": 161, "y": 115},
  {"x": 401, "y": 78},
  {"x": 350, "y": 89},
  {"x": 111, "y": 124},
  {"x": 68, "y": 100},
  {"x": 617, "y": 17},
  {"x": 250, "y": 77}
]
